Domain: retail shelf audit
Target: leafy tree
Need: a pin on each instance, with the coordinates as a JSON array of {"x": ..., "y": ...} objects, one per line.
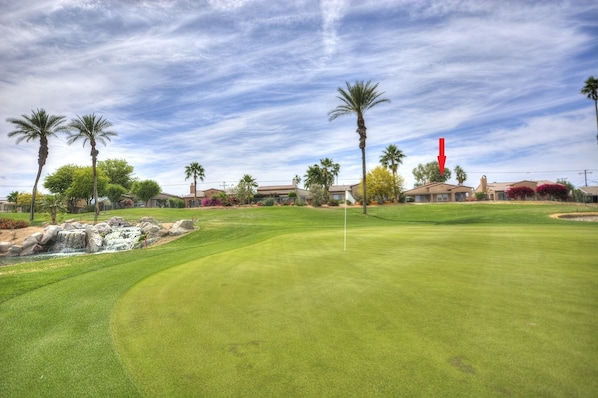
[
  {"x": 381, "y": 184},
  {"x": 392, "y": 157},
  {"x": 246, "y": 188},
  {"x": 196, "y": 171},
  {"x": 430, "y": 172},
  {"x": 555, "y": 191},
  {"x": 61, "y": 180},
  {"x": 114, "y": 193},
  {"x": 145, "y": 190},
  {"x": 85, "y": 184},
  {"x": 520, "y": 193},
  {"x": 92, "y": 129},
  {"x": 39, "y": 126},
  {"x": 118, "y": 171},
  {"x": 54, "y": 204},
  {"x": 322, "y": 174},
  {"x": 357, "y": 99},
  {"x": 460, "y": 175},
  {"x": 590, "y": 90}
]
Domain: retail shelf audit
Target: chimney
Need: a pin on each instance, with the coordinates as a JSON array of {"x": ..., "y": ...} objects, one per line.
[{"x": 484, "y": 183}]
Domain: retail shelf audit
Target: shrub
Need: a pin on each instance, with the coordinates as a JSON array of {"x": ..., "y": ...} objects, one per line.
[
  {"x": 207, "y": 202},
  {"x": 520, "y": 192},
  {"x": 268, "y": 202},
  {"x": 8, "y": 223},
  {"x": 333, "y": 202},
  {"x": 555, "y": 191}
]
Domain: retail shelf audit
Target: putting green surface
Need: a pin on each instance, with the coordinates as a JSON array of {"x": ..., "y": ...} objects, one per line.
[{"x": 417, "y": 310}]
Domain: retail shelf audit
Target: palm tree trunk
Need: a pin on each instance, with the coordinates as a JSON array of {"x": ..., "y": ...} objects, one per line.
[
  {"x": 596, "y": 108},
  {"x": 362, "y": 131},
  {"x": 94, "y": 154},
  {"x": 194, "y": 191},
  {"x": 34, "y": 193},
  {"x": 364, "y": 182},
  {"x": 41, "y": 161}
]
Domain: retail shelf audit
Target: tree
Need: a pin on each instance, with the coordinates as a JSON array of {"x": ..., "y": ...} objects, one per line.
[
  {"x": 460, "y": 175},
  {"x": 61, "y": 180},
  {"x": 246, "y": 188},
  {"x": 357, "y": 99},
  {"x": 54, "y": 204},
  {"x": 39, "y": 126},
  {"x": 392, "y": 157},
  {"x": 92, "y": 129},
  {"x": 590, "y": 90},
  {"x": 145, "y": 190},
  {"x": 381, "y": 184},
  {"x": 519, "y": 193},
  {"x": 114, "y": 192},
  {"x": 322, "y": 175},
  {"x": 555, "y": 191},
  {"x": 196, "y": 171},
  {"x": 85, "y": 184},
  {"x": 12, "y": 198},
  {"x": 430, "y": 173},
  {"x": 118, "y": 171}
]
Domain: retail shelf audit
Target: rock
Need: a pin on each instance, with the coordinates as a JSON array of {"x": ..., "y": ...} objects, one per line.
[
  {"x": 103, "y": 228},
  {"x": 185, "y": 224},
  {"x": 94, "y": 239},
  {"x": 118, "y": 222},
  {"x": 32, "y": 239},
  {"x": 4, "y": 246},
  {"x": 14, "y": 250},
  {"x": 33, "y": 249},
  {"x": 50, "y": 234}
]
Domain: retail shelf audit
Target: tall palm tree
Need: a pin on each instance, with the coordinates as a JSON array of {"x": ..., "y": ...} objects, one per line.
[
  {"x": 92, "y": 129},
  {"x": 357, "y": 99},
  {"x": 590, "y": 90},
  {"x": 392, "y": 157},
  {"x": 246, "y": 188},
  {"x": 39, "y": 126},
  {"x": 196, "y": 171}
]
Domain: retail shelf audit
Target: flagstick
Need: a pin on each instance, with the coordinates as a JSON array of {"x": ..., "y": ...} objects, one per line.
[{"x": 345, "y": 220}]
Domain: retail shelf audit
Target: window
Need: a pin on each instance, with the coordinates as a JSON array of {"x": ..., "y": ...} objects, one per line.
[{"x": 442, "y": 197}]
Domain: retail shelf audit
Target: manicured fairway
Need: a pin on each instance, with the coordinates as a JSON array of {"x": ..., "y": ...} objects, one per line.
[{"x": 441, "y": 300}]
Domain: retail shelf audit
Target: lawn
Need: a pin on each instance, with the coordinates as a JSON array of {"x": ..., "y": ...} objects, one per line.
[{"x": 438, "y": 300}]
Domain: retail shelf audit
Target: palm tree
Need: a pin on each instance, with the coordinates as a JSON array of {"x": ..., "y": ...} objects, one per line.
[
  {"x": 590, "y": 90},
  {"x": 392, "y": 157},
  {"x": 460, "y": 174},
  {"x": 246, "y": 188},
  {"x": 357, "y": 99},
  {"x": 54, "y": 204},
  {"x": 92, "y": 129},
  {"x": 196, "y": 171},
  {"x": 329, "y": 171},
  {"x": 39, "y": 126}
]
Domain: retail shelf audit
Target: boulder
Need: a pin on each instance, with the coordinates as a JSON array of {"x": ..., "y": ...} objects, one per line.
[
  {"x": 33, "y": 249},
  {"x": 32, "y": 239},
  {"x": 185, "y": 224},
  {"x": 14, "y": 251},
  {"x": 50, "y": 234},
  {"x": 4, "y": 246},
  {"x": 103, "y": 228},
  {"x": 118, "y": 222},
  {"x": 94, "y": 239}
]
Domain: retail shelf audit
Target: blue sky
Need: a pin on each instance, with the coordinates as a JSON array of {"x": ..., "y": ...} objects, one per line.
[{"x": 244, "y": 87}]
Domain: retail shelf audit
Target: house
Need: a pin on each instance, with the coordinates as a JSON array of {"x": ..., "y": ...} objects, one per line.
[
  {"x": 590, "y": 194},
  {"x": 208, "y": 193},
  {"x": 440, "y": 192},
  {"x": 337, "y": 192},
  {"x": 281, "y": 192},
  {"x": 498, "y": 190}
]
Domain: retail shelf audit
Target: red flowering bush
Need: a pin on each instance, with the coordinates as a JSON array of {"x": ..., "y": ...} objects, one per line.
[
  {"x": 207, "y": 202},
  {"x": 554, "y": 191},
  {"x": 520, "y": 193},
  {"x": 8, "y": 223}
]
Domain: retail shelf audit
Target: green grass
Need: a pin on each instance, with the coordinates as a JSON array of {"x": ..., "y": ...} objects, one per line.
[{"x": 440, "y": 300}]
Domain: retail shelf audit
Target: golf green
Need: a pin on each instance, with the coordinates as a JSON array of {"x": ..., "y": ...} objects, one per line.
[{"x": 407, "y": 310}]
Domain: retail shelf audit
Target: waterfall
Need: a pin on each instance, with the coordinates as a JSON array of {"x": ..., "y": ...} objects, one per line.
[
  {"x": 69, "y": 241},
  {"x": 121, "y": 238}
]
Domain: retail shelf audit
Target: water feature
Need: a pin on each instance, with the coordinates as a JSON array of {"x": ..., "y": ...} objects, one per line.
[
  {"x": 69, "y": 241},
  {"x": 121, "y": 238}
]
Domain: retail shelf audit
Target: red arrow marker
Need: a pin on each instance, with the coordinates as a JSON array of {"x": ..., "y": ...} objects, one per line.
[{"x": 441, "y": 157}]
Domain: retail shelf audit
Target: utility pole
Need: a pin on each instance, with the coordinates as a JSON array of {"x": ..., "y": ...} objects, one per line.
[
  {"x": 223, "y": 185},
  {"x": 585, "y": 173}
]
